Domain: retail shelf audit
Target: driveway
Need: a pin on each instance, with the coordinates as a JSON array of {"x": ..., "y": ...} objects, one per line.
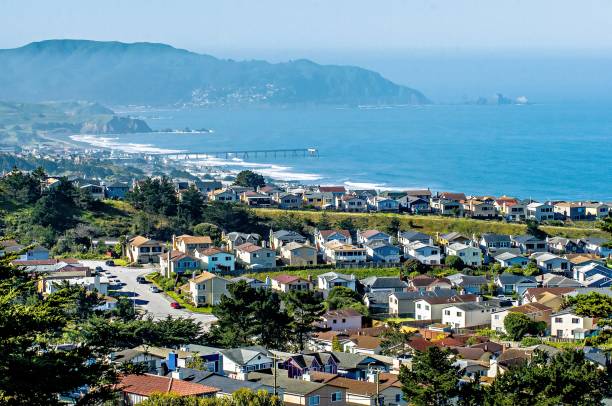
[{"x": 155, "y": 304}]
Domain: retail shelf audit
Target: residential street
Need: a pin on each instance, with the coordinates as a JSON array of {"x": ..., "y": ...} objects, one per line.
[{"x": 156, "y": 304}]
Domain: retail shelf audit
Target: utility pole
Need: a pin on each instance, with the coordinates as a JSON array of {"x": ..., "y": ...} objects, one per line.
[{"x": 378, "y": 402}]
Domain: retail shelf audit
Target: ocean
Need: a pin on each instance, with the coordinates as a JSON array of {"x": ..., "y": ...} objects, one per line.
[{"x": 540, "y": 151}]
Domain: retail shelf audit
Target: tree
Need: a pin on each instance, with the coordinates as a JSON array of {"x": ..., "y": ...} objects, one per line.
[
  {"x": 191, "y": 206},
  {"x": 593, "y": 304},
  {"x": 305, "y": 308},
  {"x": 454, "y": 262},
  {"x": 533, "y": 228},
  {"x": 394, "y": 340},
  {"x": 250, "y": 179},
  {"x": 412, "y": 266},
  {"x": 20, "y": 186},
  {"x": 272, "y": 325},
  {"x": 606, "y": 224},
  {"x": 154, "y": 196},
  {"x": 433, "y": 379},
  {"x": 346, "y": 224},
  {"x": 242, "y": 397},
  {"x": 324, "y": 223},
  {"x": 394, "y": 227},
  {"x": 58, "y": 208},
  {"x": 341, "y": 297},
  {"x": 565, "y": 379},
  {"x": 336, "y": 346},
  {"x": 517, "y": 325},
  {"x": 231, "y": 217},
  {"x": 208, "y": 229}
]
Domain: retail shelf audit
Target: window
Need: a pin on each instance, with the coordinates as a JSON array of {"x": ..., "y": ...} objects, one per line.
[
  {"x": 314, "y": 400},
  {"x": 459, "y": 314},
  {"x": 336, "y": 396},
  {"x": 334, "y": 321},
  {"x": 447, "y": 312},
  {"x": 398, "y": 397},
  {"x": 496, "y": 317},
  {"x": 418, "y": 305},
  {"x": 575, "y": 320},
  {"x": 558, "y": 320}
]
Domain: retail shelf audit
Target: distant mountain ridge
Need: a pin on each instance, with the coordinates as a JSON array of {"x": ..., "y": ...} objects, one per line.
[{"x": 159, "y": 74}]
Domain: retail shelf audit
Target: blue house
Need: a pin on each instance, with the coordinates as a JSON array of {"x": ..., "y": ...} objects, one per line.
[
  {"x": 380, "y": 251},
  {"x": 509, "y": 283},
  {"x": 593, "y": 275},
  {"x": 116, "y": 190}
]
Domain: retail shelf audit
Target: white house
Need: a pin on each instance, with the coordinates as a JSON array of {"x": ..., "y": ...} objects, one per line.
[
  {"x": 340, "y": 320},
  {"x": 430, "y": 308},
  {"x": 407, "y": 237},
  {"x": 535, "y": 311},
  {"x": 330, "y": 280},
  {"x": 369, "y": 236},
  {"x": 255, "y": 256},
  {"x": 424, "y": 253},
  {"x": 540, "y": 211},
  {"x": 567, "y": 324},
  {"x": 464, "y": 315},
  {"x": 238, "y": 362},
  {"x": 216, "y": 260},
  {"x": 551, "y": 263},
  {"x": 337, "y": 252},
  {"x": 324, "y": 236},
  {"x": 470, "y": 255}
]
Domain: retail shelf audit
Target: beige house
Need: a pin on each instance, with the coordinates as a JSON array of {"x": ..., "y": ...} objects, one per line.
[
  {"x": 298, "y": 254},
  {"x": 478, "y": 208},
  {"x": 535, "y": 311},
  {"x": 287, "y": 283},
  {"x": 188, "y": 243},
  {"x": 206, "y": 289},
  {"x": 302, "y": 392},
  {"x": 142, "y": 250},
  {"x": 567, "y": 324}
]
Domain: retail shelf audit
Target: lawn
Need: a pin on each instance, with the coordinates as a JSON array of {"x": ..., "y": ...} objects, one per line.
[
  {"x": 154, "y": 278},
  {"x": 434, "y": 224},
  {"x": 360, "y": 273}
]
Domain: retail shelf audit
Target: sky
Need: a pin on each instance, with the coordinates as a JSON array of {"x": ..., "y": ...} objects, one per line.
[{"x": 406, "y": 40}]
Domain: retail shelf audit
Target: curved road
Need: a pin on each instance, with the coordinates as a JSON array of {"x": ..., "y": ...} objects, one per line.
[{"x": 155, "y": 304}]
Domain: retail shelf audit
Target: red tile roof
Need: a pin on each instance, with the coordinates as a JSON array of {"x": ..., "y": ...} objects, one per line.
[
  {"x": 333, "y": 189},
  {"x": 148, "y": 384},
  {"x": 420, "y": 344},
  {"x": 249, "y": 247},
  {"x": 284, "y": 279}
]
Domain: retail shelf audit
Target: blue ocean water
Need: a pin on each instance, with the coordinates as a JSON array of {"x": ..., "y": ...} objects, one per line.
[{"x": 543, "y": 151}]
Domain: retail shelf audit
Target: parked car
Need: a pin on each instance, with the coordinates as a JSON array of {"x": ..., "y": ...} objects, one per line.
[
  {"x": 154, "y": 289},
  {"x": 175, "y": 305},
  {"x": 141, "y": 279},
  {"x": 110, "y": 262},
  {"x": 99, "y": 269}
]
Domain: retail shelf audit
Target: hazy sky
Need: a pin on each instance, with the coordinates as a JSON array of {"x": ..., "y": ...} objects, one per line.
[{"x": 243, "y": 28}]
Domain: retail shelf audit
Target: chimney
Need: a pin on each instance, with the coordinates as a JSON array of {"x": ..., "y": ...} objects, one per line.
[
  {"x": 306, "y": 376},
  {"x": 179, "y": 373},
  {"x": 173, "y": 241},
  {"x": 172, "y": 361}
]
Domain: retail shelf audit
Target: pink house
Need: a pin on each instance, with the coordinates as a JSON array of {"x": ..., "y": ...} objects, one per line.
[{"x": 339, "y": 320}]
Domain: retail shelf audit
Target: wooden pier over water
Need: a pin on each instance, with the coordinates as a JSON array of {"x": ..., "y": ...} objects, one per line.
[{"x": 247, "y": 154}]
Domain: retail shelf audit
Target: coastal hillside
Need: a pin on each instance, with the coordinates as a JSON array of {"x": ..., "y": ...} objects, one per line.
[
  {"x": 26, "y": 123},
  {"x": 158, "y": 74}
]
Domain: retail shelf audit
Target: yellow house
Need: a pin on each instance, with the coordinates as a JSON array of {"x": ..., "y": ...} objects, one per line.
[{"x": 206, "y": 289}]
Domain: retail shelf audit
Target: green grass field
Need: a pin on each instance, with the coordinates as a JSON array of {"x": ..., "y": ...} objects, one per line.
[
  {"x": 360, "y": 273},
  {"x": 435, "y": 224}
]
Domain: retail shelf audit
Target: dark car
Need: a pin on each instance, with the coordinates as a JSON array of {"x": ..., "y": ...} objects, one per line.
[
  {"x": 175, "y": 305},
  {"x": 141, "y": 279},
  {"x": 110, "y": 262}
]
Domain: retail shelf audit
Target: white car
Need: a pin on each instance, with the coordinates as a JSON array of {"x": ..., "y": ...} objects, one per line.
[{"x": 154, "y": 289}]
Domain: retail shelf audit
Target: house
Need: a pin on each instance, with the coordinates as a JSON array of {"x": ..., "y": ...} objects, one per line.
[
  {"x": 329, "y": 280},
  {"x": 403, "y": 303},
  {"x": 138, "y": 388},
  {"x": 388, "y": 388},
  {"x": 340, "y": 320},
  {"x": 383, "y": 204},
  {"x": 282, "y": 237},
  {"x": 470, "y": 255},
  {"x": 540, "y": 212},
  {"x": 95, "y": 191},
  {"x": 508, "y": 259},
  {"x": 234, "y": 239},
  {"x": 336, "y": 252},
  {"x": 300, "y": 364},
  {"x": 596, "y": 210},
  {"x": 529, "y": 244},
  {"x": 425, "y": 282},
  {"x": 37, "y": 252},
  {"x": 239, "y": 362},
  {"x": 216, "y": 260},
  {"x": 511, "y": 208},
  {"x": 547, "y": 262},
  {"x": 287, "y": 201},
  {"x": 430, "y": 308},
  {"x": 297, "y": 254},
  {"x": 468, "y": 284},
  {"x": 550, "y": 297},
  {"x": 567, "y": 324},
  {"x": 223, "y": 195},
  {"x": 452, "y": 196},
  {"x": 352, "y": 203},
  {"x": 593, "y": 275},
  {"x": 561, "y": 245},
  {"x": 50, "y": 283},
  {"x": 414, "y": 204},
  {"x": 368, "y": 236},
  {"x": 468, "y": 315},
  {"x": 142, "y": 250},
  {"x": 288, "y": 283},
  {"x": 188, "y": 244},
  {"x": 383, "y": 284},
  {"x": 446, "y": 207},
  {"x": 363, "y": 344},
  {"x": 324, "y": 236},
  {"x": 300, "y": 392},
  {"x": 509, "y": 283},
  {"x": 551, "y": 280},
  {"x": 177, "y": 262},
  {"x": 535, "y": 311},
  {"x": 252, "y": 282},
  {"x": 380, "y": 251},
  {"x": 206, "y": 289},
  {"x": 452, "y": 238},
  {"x": 597, "y": 246},
  {"x": 255, "y": 199},
  {"x": 255, "y": 256},
  {"x": 314, "y": 200},
  {"x": 424, "y": 253},
  {"x": 116, "y": 190},
  {"x": 358, "y": 366},
  {"x": 377, "y": 302},
  {"x": 408, "y": 237},
  {"x": 337, "y": 191},
  {"x": 420, "y": 193},
  {"x": 9, "y": 246},
  {"x": 479, "y": 209},
  {"x": 227, "y": 386},
  {"x": 583, "y": 259},
  {"x": 208, "y": 186},
  {"x": 570, "y": 211},
  {"x": 490, "y": 242},
  {"x": 269, "y": 190}
]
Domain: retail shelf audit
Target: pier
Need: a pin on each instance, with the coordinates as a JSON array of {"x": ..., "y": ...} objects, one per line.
[{"x": 247, "y": 154}]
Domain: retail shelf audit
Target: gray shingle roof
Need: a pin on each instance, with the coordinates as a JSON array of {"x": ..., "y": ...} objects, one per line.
[{"x": 383, "y": 282}]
